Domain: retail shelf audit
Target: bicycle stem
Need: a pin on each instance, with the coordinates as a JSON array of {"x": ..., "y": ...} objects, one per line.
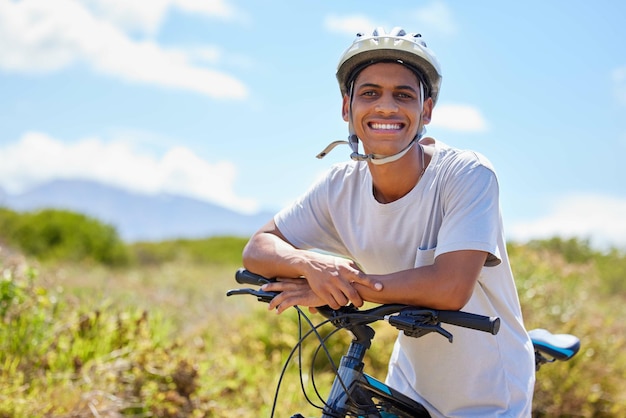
[{"x": 350, "y": 370}]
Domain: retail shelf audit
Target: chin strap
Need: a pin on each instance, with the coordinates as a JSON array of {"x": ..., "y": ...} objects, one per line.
[{"x": 377, "y": 159}]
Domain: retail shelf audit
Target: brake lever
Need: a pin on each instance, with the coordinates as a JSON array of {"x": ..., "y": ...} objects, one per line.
[
  {"x": 418, "y": 323},
  {"x": 261, "y": 295},
  {"x": 426, "y": 328}
]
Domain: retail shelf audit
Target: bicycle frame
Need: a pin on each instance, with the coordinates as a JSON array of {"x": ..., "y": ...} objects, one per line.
[{"x": 354, "y": 392}]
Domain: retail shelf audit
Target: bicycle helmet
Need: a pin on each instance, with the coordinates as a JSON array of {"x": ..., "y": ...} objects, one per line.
[{"x": 408, "y": 49}]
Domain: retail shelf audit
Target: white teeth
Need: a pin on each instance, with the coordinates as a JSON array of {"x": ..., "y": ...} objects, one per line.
[{"x": 385, "y": 126}]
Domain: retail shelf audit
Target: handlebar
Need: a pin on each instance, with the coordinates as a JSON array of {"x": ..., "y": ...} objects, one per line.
[
  {"x": 414, "y": 321},
  {"x": 243, "y": 276},
  {"x": 490, "y": 324}
]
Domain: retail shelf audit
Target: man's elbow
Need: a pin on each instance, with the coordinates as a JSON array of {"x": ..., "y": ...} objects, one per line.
[
  {"x": 249, "y": 255},
  {"x": 456, "y": 297},
  {"x": 457, "y": 302}
]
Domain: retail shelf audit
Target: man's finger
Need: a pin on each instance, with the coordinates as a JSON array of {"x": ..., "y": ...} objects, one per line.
[
  {"x": 353, "y": 296},
  {"x": 367, "y": 281}
]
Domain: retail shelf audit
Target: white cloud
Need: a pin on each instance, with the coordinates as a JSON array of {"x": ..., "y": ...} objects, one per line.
[
  {"x": 147, "y": 16},
  {"x": 37, "y": 158},
  {"x": 458, "y": 118},
  {"x": 599, "y": 218},
  {"x": 41, "y": 36},
  {"x": 350, "y": 25},
  {"x": 218, "y": 8},
  {"x": 435, "y": 17}
]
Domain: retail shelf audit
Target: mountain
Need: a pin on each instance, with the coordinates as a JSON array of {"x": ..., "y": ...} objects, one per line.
[{"x": 137, "y": 217}]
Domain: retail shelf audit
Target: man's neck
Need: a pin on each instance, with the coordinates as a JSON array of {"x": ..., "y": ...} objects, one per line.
[{"x": 395, "y": 180}]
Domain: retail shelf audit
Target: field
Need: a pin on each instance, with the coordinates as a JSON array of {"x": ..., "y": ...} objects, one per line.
[{"x": 159, "y": 338}]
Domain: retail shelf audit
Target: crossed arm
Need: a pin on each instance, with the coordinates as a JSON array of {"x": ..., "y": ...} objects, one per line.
[{"x": 308, "y": 278}]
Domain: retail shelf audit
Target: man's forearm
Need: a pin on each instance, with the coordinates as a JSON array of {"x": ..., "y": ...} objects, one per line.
[{"x": 269, "y": 255}]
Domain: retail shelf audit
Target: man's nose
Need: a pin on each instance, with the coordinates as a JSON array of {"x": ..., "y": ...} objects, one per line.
[{"x": 386, "y": 104}]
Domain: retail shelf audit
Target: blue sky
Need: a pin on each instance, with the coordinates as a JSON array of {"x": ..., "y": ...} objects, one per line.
[{"x": 230, "y": 100}]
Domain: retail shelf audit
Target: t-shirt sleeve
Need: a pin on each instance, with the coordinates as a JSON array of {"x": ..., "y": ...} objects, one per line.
[
  {"x": 307, "y": 223},
  {"x": 471, "y": 218}
]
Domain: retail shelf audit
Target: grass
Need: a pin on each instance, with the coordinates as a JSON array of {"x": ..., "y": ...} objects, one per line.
[{"x": 160, "y": 339}]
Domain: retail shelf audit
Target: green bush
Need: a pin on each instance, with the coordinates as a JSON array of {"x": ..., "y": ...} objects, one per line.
[
  {"x": 573, "y": 250},
  {"x": 53, "y": 234},
  {"x": 213, "y": 250},
  {"x": 612, "y": 269},
  {"x": 609, "y": 265},
  {"x": 563, "y": 288},
  {"x": 59, "y": 235},
  {"x": 25, "y": 315}
]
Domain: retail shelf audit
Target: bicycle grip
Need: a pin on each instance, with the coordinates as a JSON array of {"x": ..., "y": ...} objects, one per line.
[
  {"x": 470, "y": 320},
  {"x": 244, "y": 276}
]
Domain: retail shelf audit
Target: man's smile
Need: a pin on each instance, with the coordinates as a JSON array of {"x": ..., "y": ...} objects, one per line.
[{"x": 385, "y": 126}]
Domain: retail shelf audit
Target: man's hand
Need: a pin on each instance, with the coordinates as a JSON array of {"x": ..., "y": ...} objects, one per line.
[
  {"x": 292, "y": 292},
  {"x": 332, "y": 279},
  {"x": 328, "y": 281}
]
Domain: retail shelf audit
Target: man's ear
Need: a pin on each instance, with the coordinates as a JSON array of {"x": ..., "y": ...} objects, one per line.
[
  {"x": 427, "y": 112},
  {"x": 345, "y": 108}
]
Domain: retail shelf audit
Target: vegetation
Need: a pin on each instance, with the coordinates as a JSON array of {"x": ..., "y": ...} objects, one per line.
[
  {"x": 152, "y": 334},
  {"x": 566, "y": 286},
  {"x": 216, "y": 250},
  {"x": 62, "y": 235}
]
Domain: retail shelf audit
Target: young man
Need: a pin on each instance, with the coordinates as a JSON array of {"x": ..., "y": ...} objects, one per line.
[{"x": 411, "y": 221}]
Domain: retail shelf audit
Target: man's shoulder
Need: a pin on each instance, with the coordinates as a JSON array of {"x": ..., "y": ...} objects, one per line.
[
  {"x": 462, "y": 157},
  {"x": 346, "y": 170},
  {"x": 339, "y": 177}
]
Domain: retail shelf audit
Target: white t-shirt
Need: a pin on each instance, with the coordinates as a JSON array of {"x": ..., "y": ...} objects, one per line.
[{"x": 455, "y": 206}]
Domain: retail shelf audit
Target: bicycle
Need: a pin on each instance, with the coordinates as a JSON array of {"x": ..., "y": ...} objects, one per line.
[{"x": 354, "y": 393}]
